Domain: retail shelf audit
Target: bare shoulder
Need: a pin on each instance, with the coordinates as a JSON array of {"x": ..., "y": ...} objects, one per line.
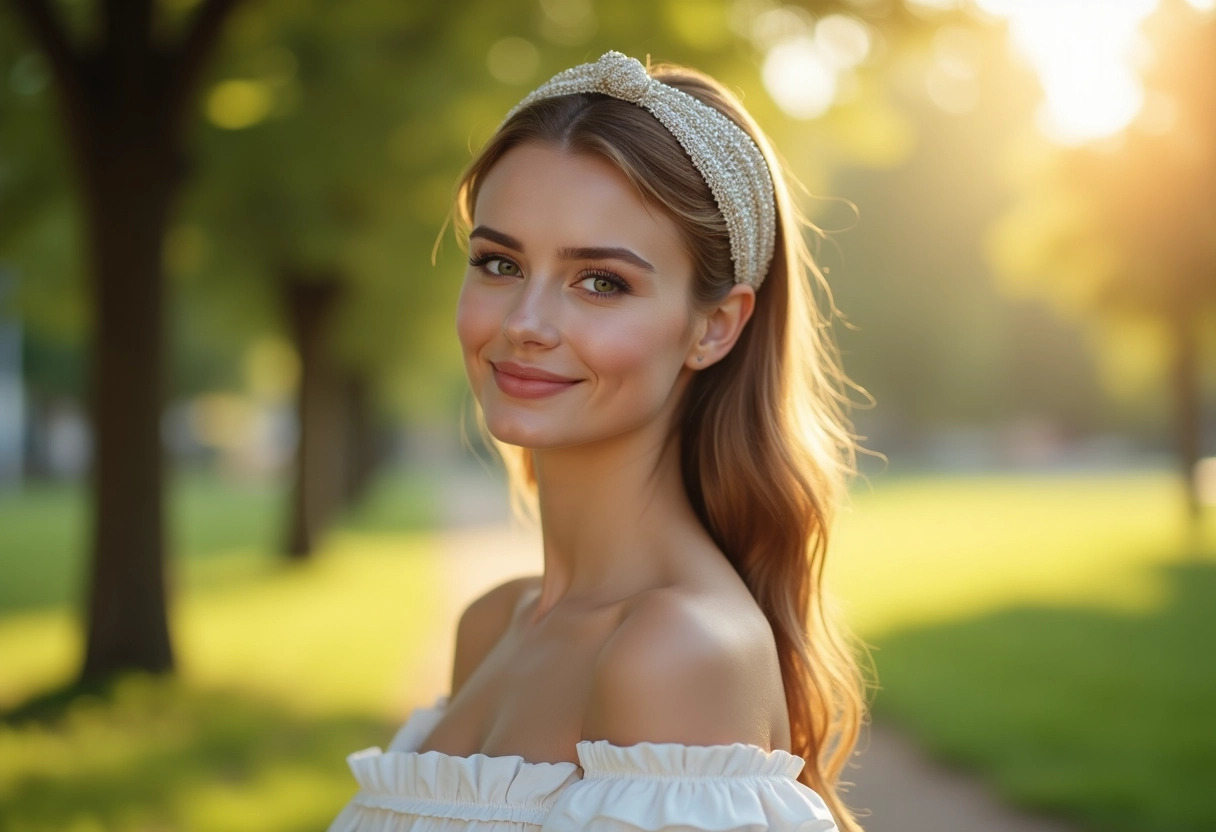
[
  {"x": 482, "y": 624},
  {"x": 687, "y": 669}
]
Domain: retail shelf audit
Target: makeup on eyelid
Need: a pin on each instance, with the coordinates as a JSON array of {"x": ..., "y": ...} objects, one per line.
[{"x": 620, "y": 286}]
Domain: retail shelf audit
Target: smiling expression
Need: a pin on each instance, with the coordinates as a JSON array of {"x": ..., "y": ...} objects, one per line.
[{"x": 574, "y": 317}]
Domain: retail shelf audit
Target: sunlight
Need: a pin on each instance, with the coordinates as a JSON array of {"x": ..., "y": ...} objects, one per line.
[
  {"x": 1083, "y": 53},
  {"x": 808, "y": 63},
  {"x": 799, "y": 79},
  {"x": 236, "y": 104}
]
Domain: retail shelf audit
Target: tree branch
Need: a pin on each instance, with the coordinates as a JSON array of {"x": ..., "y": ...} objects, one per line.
[
  {"x": 49, "y": 35},
  {"x": 197, "y": 47}
]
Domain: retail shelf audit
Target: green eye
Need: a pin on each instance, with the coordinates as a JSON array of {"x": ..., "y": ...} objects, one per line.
[
  {"x": 504, "y": 267},
  {"x": 602, "y": 285}
]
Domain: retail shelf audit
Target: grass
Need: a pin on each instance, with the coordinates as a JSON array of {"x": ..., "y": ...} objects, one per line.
[
  {"x": 160, "y": 754},
  {"x": 1050, "y": 632},
  {"x": 279, "y": 678},
  {"x": 1053, "y": 634},
  {"x": 282, "y": 671},
  {"x": 219, "y": 531},
  {"x": 922, "y": 550},
  {"x": 1102, "y": 716}
]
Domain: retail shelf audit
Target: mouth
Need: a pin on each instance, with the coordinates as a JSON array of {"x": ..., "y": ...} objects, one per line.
[{"x": 529, "y": 382}]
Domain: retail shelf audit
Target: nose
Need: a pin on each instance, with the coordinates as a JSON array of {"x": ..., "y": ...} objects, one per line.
[{"x": 531, "y": 319}]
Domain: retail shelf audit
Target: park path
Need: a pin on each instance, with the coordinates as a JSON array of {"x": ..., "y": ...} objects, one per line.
[{"x": 896, "y": 787}]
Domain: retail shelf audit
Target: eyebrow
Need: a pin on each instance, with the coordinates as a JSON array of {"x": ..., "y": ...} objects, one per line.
[{"x": 580, "y": 253}]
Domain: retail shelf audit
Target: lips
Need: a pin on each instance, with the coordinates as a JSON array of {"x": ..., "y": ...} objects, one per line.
[{"x": 529, "y": 382}]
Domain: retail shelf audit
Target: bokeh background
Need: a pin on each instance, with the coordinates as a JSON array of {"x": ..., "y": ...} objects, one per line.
[{"x": 236, "y": 516}]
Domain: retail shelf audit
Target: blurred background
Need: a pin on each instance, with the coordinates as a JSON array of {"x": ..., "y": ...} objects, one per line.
[{"x": 236, "y": 517}]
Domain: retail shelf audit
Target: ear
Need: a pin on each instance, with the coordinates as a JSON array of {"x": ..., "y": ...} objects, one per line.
[{"x": 721, "y": 327}]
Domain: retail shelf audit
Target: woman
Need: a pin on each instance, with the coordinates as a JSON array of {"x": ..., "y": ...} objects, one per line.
[{"x": 639, "y": 333}]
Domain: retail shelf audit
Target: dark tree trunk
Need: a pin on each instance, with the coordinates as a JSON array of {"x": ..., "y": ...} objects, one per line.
[
  {"x": 1187, "y": 409},
  {"x": 125, "y": 103},
  {"x": 132, "y": 177},
  {"x": 311, "y": 302}
]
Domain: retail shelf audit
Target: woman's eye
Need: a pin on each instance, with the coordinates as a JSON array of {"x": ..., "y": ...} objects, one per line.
[
  {"x": 503, "y": 267},
  {"x": 599, "y": 284}
]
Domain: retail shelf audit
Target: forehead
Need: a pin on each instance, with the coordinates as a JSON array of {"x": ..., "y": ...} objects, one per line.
[{"x": 547, "y": 195}]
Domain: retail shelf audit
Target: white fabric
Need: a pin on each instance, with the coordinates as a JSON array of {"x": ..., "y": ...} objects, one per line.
[{"x": 638, "y": 788}]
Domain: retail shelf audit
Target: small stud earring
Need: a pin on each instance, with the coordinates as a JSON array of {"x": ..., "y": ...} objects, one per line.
[{"x": 700, "y": 358}]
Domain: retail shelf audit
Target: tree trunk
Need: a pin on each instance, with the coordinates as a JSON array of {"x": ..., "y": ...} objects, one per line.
[
  {"x": 1187, "y": 410},
  {"x": 317, "y": 486},
  {"x": 131, "y": 174},
  {"x": 125, "y": 100}
]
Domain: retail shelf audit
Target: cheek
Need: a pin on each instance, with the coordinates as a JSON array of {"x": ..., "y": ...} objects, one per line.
[
  {"x": 476, "y": 320},
  {"x": 646, "y": 357}
]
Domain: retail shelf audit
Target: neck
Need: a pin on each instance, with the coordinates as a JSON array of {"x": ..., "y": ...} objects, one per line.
[{"x": 615, "y": 517}]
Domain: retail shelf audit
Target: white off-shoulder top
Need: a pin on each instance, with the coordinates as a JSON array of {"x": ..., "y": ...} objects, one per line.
[{"x": 638, "y": 788}]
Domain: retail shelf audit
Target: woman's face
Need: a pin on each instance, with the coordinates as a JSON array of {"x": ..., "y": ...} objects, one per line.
[{"x": 574, "y": 317}]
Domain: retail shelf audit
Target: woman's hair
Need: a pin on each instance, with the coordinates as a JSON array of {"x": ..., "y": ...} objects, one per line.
[{"x": 766, "y": 445}]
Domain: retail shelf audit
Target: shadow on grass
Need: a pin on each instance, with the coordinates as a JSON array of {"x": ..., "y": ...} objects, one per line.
[
  {"x": 1104, "y": 717},
  {"x": 151, "y": 753}
]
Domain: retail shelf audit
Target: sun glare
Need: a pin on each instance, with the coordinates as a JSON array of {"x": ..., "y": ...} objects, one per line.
[
  {"x": 808, "y": 61},
  {"x": 1083, "y": 53},
  {"x": 799, "y": 79}
]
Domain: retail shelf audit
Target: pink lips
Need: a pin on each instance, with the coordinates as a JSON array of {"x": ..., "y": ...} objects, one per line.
[{"x": 528, "y": 382}]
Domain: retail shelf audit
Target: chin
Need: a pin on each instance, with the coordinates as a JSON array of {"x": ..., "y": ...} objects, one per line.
[{"x": 530, "y": 436}]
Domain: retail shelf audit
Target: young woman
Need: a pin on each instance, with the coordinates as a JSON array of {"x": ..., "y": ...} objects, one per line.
[{"x": 639, "y": 331}]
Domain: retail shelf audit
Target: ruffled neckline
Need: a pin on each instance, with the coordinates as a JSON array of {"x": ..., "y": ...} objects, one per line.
[
  {"x": 508, "y": 787},
  {"x": 601, "y": 758}
]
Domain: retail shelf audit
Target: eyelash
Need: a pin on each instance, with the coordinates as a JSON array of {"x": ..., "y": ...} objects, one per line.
[
  {"x": 622, "y": 286},
  {"x": 479, "y": 262}
]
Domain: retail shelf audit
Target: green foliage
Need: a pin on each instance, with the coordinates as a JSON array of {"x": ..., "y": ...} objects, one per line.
[
  {"x": 39, "y": 233},
  {"x": 1120, "y": 230},
  {"x": 328, "y": 140}
]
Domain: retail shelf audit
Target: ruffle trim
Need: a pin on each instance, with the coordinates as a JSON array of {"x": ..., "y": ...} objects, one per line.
[
  {"x": 477, "y": 787},
  {"x": 644, "y": 787},
  {"x": 600, "y": 758},
  {"x": 765, "y": 803}
]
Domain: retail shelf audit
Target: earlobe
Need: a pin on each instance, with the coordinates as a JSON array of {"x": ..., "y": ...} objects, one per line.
[{"x": 723, "y": 326}]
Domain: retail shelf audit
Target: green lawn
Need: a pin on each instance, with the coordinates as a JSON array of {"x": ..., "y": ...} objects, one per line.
[
  {"x": 1054, "y": 634},
  {"x": 283, "y": 671},
  {"x": 219, "y": 531},
  {"x": 1050, "y": 632}
]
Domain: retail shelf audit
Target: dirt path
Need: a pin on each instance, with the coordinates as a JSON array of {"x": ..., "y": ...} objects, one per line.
[{"x": 899, "y": 788}]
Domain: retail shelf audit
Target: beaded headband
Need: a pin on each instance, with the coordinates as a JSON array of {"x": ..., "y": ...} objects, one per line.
[{"x": 727, "y": 158}]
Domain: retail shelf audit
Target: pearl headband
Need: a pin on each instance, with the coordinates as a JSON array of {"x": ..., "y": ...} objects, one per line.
[{"x": 727, "y": 158}]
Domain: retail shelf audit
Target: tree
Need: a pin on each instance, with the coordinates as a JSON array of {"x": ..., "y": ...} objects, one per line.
[
  {"x": 311, "y": 198},
  {"x": 1121, "y": 231},
  {"x": 126, "y": 97}
]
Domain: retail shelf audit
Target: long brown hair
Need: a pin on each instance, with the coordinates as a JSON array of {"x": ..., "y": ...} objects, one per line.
[{"x": 767, "y": 449}]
